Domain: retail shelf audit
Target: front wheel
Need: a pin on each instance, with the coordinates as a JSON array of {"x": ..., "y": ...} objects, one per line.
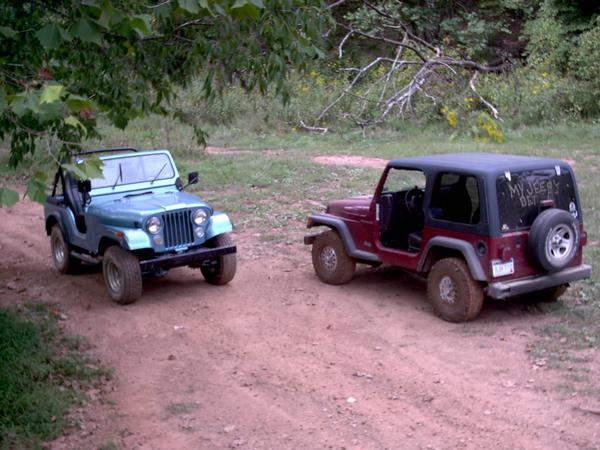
[
  {"x": 330, "y": 260},
  {"x": 220, "y": 270},
  {"x": 61, "y": 252},
  {"x": 122, "y": 275},
  {"x": 452, "y": 291}
]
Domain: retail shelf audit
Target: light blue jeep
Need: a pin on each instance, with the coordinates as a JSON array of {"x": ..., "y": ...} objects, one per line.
[{"x": 136, "y": 221}]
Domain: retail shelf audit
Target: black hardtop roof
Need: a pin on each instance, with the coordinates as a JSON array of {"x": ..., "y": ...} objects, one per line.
[{"x": 482, "y": 163}]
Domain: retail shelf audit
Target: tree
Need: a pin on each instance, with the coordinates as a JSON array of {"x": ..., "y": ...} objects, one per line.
[
  {"x": 66, "y": 63},
  {"x": 408, "y": 64}
]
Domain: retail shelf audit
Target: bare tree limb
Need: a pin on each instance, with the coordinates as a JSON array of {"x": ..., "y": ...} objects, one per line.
[
  {"x": 315, "y": 129},
  {"x": 491, "y": 107},
  {"x": 389, "y": 83}
]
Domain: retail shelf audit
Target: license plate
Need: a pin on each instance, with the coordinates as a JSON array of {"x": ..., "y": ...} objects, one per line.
[{"x": 501, "y": 269}]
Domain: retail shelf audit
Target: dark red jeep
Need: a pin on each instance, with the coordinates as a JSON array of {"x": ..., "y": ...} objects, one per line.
[{"x": 474, "y": 224}]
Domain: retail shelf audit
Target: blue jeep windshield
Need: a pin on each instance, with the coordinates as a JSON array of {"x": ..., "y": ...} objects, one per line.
[{"x": 134, "y": 169}]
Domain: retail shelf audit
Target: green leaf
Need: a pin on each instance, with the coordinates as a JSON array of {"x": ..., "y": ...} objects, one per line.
[
  {"x": 243, "y": 9},
  {"x": 24, "y": 102},
  {"x": 190, "y": 6},
  {"x": 141, "y": 24},
  {"x": 87, "y": 31},
  {"x": 51, "y": 36},
  {"x": 8, "y": 197},
  {"x": 36, "y": 187},
  {"x": 75, "y": 123},
  {"x": 51, "y": 93},
  {"x": 3, "y": 102},
  {"x": 84, "y": 169},
  {"x": 93, "y": 166},
  {"x": 76, "y": 103},
  {"x": 8, "y": 32}
]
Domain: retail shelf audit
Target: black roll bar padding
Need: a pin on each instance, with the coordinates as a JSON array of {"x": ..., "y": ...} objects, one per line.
[{"x": 107, "y": 150}]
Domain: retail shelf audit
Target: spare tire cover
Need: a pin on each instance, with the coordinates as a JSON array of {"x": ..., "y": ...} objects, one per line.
[{"x": 553, "y": 239}]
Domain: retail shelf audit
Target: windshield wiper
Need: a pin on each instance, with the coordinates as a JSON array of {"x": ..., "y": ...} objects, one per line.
[
  {"x": 159, "y": 172},
  {"x": 135, "y": 195},
  {"x": 120, "y": 176}
]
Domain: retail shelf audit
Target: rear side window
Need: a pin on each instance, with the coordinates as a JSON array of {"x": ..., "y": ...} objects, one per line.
[
  {"x": 520, "y": 196},
  {"x": 455, "y": 198}
]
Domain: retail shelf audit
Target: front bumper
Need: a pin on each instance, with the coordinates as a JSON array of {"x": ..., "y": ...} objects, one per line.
[
  {"x": 187, "y": 258},
  {"x": 504, "y": 289}
]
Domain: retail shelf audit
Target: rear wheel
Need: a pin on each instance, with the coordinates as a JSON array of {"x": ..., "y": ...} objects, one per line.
[
  {"x": 330, "y": 260},
  {"x": 61, "y": 252},
  {"x": 220, "y": 270},
  {"x": 122, "y": 275},
  {"x": 452, "y": 291}
]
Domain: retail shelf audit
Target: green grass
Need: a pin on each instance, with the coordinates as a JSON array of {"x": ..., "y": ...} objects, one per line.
[{"x": 42, "y": 374}]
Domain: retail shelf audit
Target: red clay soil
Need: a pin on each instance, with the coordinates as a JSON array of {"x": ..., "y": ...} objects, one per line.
[{"x": 279, "y": 360}]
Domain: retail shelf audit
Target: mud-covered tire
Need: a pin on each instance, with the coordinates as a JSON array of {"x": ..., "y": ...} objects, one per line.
[
  {"x": 553, "y": 240},
  {"x": 222, "y": 269},
  {"x": 122, "y": 275},
  {"x": 549, "y": 295},
  {"x": 330, "y": 260},
  {"x": 454, "y": 295},
  {"x": 61, "y": 252}
]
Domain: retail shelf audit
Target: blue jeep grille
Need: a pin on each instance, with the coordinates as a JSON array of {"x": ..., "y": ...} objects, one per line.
[{"x": 178, "y": 229}]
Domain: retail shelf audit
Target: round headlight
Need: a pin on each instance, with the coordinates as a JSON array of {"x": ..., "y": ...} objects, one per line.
[
  {"x": 153, "y": 225},
  {"x": 199, "y": 216}
]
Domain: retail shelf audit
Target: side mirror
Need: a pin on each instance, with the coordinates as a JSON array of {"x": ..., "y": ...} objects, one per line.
[
  {"x": 84, "y": 186},
  {"x": 192, "y": 178}
]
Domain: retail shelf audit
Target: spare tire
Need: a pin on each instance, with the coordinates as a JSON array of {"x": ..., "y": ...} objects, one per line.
[{"x": 553, "y": 239}]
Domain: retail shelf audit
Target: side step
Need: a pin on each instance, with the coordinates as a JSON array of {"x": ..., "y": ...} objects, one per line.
[{"x": 86, "y": 258}]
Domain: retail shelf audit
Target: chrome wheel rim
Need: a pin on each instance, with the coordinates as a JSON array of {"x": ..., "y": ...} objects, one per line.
[
  {"x": 329, "y": 258},
  {"x": 58, "y": 250},
  {"x": 113, "y": 277},
  {"x": 448, "y": 290},
  {"x": 560, "y": 242}
]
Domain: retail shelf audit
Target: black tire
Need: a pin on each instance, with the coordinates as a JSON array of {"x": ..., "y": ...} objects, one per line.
[
  {"x": 222, "y": 269},
  {"x": 61, "y": 252},
  {"x": 122, "y": 275},
  {"x": 330, "y": 260},
  {"x": 549, "y": 295},
  {"x": 553, "y": 240},
  {"x": 452, "y": 291}
]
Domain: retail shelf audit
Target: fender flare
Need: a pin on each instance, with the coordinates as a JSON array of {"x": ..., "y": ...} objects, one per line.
[
  {"x": 345, "y": 235},
  {"x": 466, "y": 249}
]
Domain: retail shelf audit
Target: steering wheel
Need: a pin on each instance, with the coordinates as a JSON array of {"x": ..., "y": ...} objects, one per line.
[{"x": 413, "y": 201}]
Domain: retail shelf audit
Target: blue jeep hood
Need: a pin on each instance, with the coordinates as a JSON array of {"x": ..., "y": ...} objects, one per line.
[{"x": 126, "y": 211}]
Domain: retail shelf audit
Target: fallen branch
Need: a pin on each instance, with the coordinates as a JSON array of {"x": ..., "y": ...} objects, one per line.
[{"x": 313, "y": 129}]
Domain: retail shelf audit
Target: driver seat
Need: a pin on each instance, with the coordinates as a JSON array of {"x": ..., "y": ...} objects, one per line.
[{"x": 74, "y": 201}]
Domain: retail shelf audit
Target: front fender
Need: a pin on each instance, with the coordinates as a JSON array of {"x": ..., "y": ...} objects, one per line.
[
  {"x": 340, "y": 226},
  {"x": 219, "y": 223},
  {"x": 128, "y": 238}
]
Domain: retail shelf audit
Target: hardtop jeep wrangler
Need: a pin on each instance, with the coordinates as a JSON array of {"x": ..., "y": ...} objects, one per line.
[
  {"x": 474, "y": 224},
  {"x": 135, "y": 220}
]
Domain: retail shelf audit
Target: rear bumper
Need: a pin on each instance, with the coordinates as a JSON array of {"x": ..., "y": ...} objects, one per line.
[
  {"x": 190, "y": 257},
  {"x": 504, "y": 289}
]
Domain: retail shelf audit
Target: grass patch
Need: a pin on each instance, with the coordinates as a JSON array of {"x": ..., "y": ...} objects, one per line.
[
  {"x": 175, "y": 409},
  {"x": 42, "y": 375}
]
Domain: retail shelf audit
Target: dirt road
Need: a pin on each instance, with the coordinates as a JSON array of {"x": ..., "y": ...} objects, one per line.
[{"x": 278, "y": 360}]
